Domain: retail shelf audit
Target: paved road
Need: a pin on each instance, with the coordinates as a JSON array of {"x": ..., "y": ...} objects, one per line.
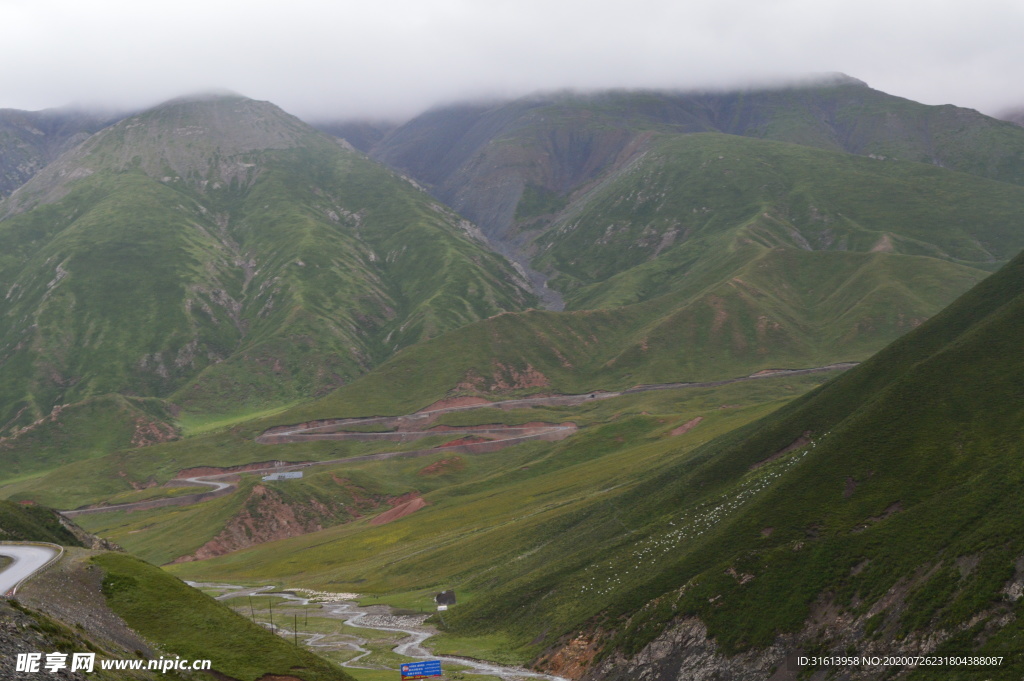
[{"x": 28, "y": 559}]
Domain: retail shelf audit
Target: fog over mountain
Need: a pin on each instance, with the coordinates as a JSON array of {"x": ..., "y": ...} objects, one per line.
[{"x": 395, "y": 58}]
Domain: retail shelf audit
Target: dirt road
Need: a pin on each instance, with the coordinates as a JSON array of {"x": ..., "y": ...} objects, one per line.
[{"x": 413, "y": 426}]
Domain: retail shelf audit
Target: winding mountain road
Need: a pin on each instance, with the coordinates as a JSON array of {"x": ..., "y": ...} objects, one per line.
[
  {"x": 29, "y": 558},
  {"x": 411, "y": 427}
]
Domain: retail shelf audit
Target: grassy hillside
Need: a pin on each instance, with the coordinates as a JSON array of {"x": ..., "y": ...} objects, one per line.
[
  {"x": 879, "y": 512},
  {"x": 33, "y": 523},
  {"x": 482, "y": 509},
  {"x": 190, "y": 624},
  {"x": 683, "y": 211},
  {"x": 509, "y": 166},
  {"x": 713, "y": 256},
  {"x": 222, "y": 255}
]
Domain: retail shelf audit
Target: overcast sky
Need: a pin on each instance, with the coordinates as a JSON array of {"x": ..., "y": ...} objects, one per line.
[{"x": 393, "y": 58}]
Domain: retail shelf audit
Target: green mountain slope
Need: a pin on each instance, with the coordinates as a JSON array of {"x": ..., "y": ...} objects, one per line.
[
  {"x": 29, "y": 140},
  {"x": 711, "y": 256},
  {"x": 34, "y": 523},
  {"x": 220, "y": 253},
  {"x": 690, "y": 205},
  {"x": 880, "y": 514},
  {"x": 508, "y": 166},
  {"x": 902, "y": 519},
  {"x": 119, "y": 607}
]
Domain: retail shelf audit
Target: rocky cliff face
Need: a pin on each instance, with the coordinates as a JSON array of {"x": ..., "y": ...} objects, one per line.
[{"x": 686, "y": 651}]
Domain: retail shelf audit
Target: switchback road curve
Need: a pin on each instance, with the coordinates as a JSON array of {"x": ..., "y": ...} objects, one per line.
[{"x": 29, "y": 558}]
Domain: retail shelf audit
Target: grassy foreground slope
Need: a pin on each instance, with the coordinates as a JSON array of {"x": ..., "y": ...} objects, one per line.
[
  {"x": 83, "y": 602},
  {"x": 899, "y": 512},
  {"x": 193, "y": 625},
  {"x": 881, "y": 512}
]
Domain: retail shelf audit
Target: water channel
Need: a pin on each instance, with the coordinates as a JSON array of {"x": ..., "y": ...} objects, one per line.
[{"x": 375, "y": 617}]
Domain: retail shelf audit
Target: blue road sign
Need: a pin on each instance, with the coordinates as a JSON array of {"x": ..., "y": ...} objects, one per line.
[{"x": 421, "y": 670}]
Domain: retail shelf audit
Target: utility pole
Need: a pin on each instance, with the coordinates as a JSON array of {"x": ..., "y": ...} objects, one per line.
[
  {"x": 252, "y": 610},
  {"x": 271, "y": 602},
  {"x": 296, "y": 630}
]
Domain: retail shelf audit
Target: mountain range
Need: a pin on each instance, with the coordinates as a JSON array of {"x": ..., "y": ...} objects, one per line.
[
  {"x": 180, "y": 282},
  {"x": 221, "y": 251}
]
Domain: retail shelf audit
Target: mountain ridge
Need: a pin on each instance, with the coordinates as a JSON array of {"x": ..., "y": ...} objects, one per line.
[{"x": 201, "y": 234}]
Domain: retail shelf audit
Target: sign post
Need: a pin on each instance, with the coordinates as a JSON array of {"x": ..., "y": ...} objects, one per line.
[{"x": 421, "y": 670}]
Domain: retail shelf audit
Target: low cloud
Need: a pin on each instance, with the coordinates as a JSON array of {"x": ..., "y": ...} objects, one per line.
[{"x": 397, "y": 57}]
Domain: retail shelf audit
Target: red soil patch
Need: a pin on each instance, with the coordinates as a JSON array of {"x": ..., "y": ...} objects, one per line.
[
  {"x": 453, "y": 464},
  {"x": 152, "y": 432},
  {"x": 686, "y": 427},
  {"x": 504, "y": 378},
  {"x": 470, "y": 440},
  {"x": 399, "y": 511},
  {"x": 454, "y": 402}
]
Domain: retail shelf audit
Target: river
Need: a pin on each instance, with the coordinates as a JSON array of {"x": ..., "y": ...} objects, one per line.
[{"x": 377, "y": 617}]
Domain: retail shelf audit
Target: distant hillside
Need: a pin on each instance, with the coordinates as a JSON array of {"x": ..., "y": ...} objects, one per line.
[
  {"x": 506, "y": 164},
  {"x": 29, "y": 140},
  {"x": 713, "y": 256},
  {"x": 1014, "y": 116},
  {"x": 223, "y": 254},
  {"x": 362, "y": 135}
]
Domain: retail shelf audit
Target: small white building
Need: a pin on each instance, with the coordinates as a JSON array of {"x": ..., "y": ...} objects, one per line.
[{"x": 290, "y": 475}]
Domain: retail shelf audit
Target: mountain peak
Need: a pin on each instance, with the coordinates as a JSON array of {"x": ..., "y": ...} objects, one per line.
[
  {"x": 197, "y": 138},
  {"x": 831, "y": 78},
  {"x": 212, "y": 95}
]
